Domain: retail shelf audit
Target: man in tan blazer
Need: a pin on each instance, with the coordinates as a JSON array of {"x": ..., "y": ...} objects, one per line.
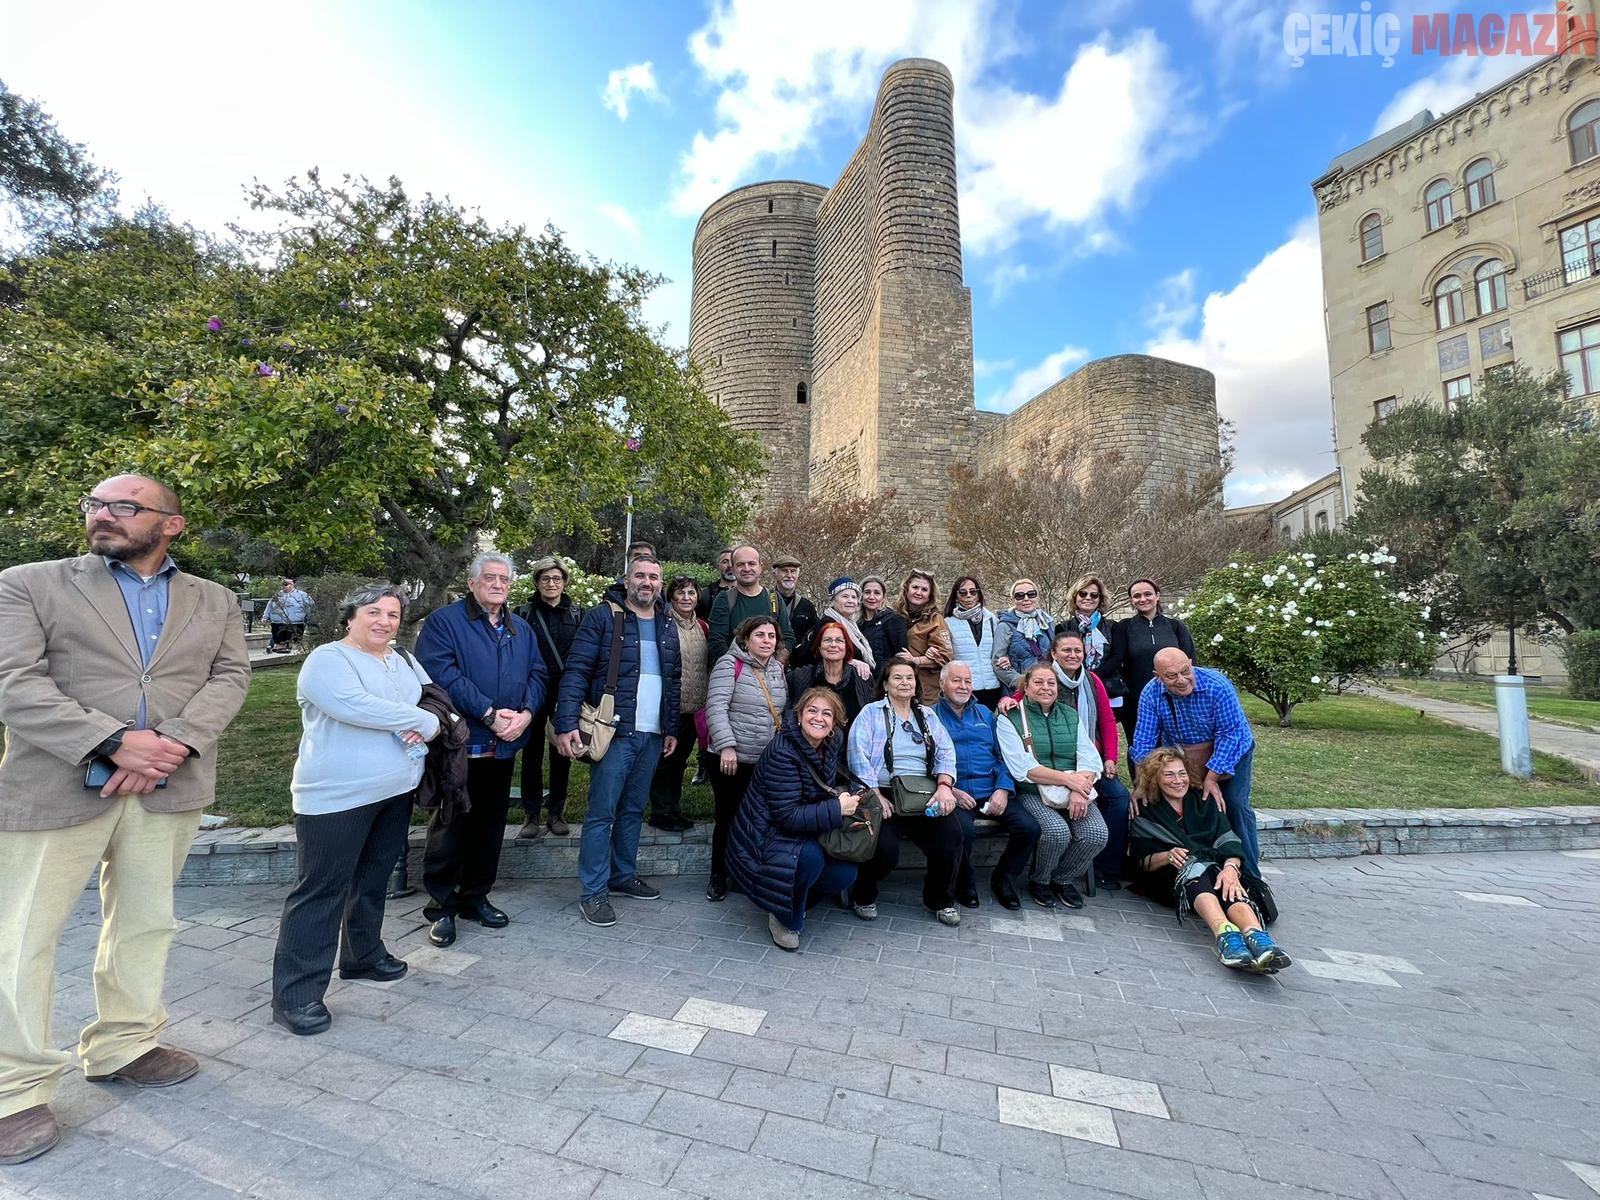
[{"x": 116, "y": 656}]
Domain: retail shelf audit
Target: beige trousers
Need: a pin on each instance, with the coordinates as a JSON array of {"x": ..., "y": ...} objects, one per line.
[{"x": 42, "y": 877}]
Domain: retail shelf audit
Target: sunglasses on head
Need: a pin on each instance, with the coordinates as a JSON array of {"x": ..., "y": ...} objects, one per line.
[{"x": 1024, "y": 595}]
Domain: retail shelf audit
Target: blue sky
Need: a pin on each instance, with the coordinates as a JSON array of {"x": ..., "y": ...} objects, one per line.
[{"x": 1135, "y": 176}]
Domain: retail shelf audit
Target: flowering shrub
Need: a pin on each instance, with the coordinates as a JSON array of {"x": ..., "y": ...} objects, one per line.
[{"x": 1291, "y": 628}]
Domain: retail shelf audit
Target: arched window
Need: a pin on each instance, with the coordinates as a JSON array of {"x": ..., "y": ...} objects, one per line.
[
  {"x": 1480, "y": 184},
  {"x": 1491, "y": 280},
  {"x": 1371, "y": 237},
  {"x": 800, "y": 394},
  {"x": 1449, "y": 308},
  {"x": 1583, "y": 131},
  {"x": 1440, "y": 208},
  {"x": 1322, "y": 522}
]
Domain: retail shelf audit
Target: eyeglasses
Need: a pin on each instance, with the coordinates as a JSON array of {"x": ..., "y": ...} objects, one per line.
[
  {"x": 916, "y": 735},
  {"x": 552, "y": 577},
  {"x": 1088, "y": 595},
  {"x": 1024, "y": 595},
  {"x": 124, "y": 509}
]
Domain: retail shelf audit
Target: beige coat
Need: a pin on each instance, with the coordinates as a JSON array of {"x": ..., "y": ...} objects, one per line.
[{"x": 71, "y": 676}]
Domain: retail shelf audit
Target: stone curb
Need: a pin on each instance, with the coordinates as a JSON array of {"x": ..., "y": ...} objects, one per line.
[{"x": 241, "y": 856}]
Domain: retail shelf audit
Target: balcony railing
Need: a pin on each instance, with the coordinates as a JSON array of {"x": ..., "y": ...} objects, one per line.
[{"x": 1567, "y": 274}]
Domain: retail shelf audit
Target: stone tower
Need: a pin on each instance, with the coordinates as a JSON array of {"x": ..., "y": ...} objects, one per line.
[{"x": 750, "y": 324}]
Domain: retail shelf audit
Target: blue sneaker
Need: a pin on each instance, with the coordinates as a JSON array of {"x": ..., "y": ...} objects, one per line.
[
  {"x": 1232, "y": 951},
  {"x": 1265, "y": 952}
]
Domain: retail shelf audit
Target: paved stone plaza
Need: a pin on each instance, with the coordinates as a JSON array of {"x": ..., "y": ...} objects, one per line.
[{"x": 1436, "y": 1038}]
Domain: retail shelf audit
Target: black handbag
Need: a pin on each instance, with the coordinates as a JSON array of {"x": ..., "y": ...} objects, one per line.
[
  {"x": 910, "y": 794},
  {"x": 1260, "y": 893},
  {"x": 856, "y": 840}
]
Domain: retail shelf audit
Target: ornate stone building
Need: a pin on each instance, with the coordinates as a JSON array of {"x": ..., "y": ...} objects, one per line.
[{"x": 836, "y": 324}]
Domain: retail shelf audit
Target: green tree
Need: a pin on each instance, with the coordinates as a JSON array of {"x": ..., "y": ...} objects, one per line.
[
  {"x": 48, "y": 184},
  {"x": 1294, "y": 627},
  {"x": 378, "y": 378},
  {"x": 1492, "y": 508}
]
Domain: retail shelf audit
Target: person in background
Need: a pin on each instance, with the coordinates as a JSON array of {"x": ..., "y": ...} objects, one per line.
[
  {"x": 747, "y": 598},
  {"x": 844, "y": 608},
  {"x": 927, "y": 636},
  {"x": 1082, "y": 688},
  {"x": 800, "y": 789},
  {"x": 983, "y": 789},
  {"x": 362, "y": 753},
  {"x": 1091, "y": 604},
  {"x": 893, "y": 736},
  {"x": 119, "y": 662},
  {"x": 884, "y": 628},
  {"x": 1197, "y": 709},
  {"x": 553, "y": 618},
  {"x": 724, "y": 581},
  {"x": 1027, "y": 630},
  {"x": 1045, "y": 746},
  {"x": 488, "y": 659},
  {"x": 1183, "y": 853},
  {"x": 640, "y": 550},
  {"x": 287, "y": 610},
  {"x": 744, "y": 699},
  {"x": 666, "y": 787},
  {"x": 1136, "y": 641},
  {"x": 801, "y": 612},
  {"x": 647, "y": 710},
  {"x": 974, "y": 638},
  {"x": 834, "y": 669}
]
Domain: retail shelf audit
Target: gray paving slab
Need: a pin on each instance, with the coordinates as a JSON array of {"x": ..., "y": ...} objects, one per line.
[{"x": 1444, "y": 1049}]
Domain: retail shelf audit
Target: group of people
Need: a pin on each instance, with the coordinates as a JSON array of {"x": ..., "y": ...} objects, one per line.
[{"x": 829, "y": 740}]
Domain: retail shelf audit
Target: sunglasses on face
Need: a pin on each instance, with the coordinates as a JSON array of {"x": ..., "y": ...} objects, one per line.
[
  {"x": 967, "y": 591},
  {"x": 1087, "y": 595},
  {"x": 1024, "y": 595}
]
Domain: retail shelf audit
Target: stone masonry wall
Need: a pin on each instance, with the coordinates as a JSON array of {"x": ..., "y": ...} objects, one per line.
[{"x": 750, "y": 325}]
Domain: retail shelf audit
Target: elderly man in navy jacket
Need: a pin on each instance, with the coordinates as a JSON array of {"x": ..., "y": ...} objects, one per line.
[
  {"x": 488, "y": 659},
  {"x": 646, "y": 700}
]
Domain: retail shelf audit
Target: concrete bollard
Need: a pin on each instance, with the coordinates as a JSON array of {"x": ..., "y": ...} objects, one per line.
[{"x": 1511, "y": 706}]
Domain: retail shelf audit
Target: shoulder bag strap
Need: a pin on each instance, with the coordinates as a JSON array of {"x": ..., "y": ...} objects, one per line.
[
  {"x": 888, "y": 739},
  {"x": 539, "y": 616},
  {"x": 1027, "y": 734},
  {"x": 927, "y": 734},
  {"x": 766, "y": 692},
  {"x": 615, "y": 665},
  {"x": 1172, "y": 707}
]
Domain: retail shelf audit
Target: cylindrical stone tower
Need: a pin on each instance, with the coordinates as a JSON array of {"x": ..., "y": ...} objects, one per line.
[{"x": 751, "y": 319}]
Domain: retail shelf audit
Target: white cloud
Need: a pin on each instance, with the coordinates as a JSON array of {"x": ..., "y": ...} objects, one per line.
[
  {"x": 1174, "y": 307},
  {"x": 638, "y": 79},
  {"x": 620, "y": 217},
  {"x": 1028, "y": 383},
  {"x": 1248, "y": 34},
  {"x": 1063, "y": 160},
  {"x": 1459, "y": 80},
  {"x": 1264, "y": 341},
  {"x": 1005, "y": 276},
  {"x": 982, "y": 368}
]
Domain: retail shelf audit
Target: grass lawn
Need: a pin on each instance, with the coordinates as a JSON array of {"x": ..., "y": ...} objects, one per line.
[
  {"x": 1346, "y": 752},
  {"x": 1546, "y": 703}
]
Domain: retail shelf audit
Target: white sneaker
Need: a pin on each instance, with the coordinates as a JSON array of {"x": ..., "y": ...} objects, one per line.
[{"x": 783, "y": 937}]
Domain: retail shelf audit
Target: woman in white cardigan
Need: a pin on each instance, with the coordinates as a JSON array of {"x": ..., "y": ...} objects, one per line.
[{"x": 976, "y": 635}]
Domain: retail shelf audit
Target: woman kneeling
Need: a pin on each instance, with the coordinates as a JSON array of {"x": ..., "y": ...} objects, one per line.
[
  {"x": 799, "y": 790},
  {"x": 1182, "y": 850}
]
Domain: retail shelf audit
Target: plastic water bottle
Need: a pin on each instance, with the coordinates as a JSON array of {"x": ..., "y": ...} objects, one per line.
[
  {"x": 417, "y": 751},
  {"x": 932, "y": 810}
]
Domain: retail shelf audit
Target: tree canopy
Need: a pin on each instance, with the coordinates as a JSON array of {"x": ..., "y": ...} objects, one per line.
[
  {"x": 375, "y": 376},
  {"x": 1491, "y": 507},
  {"x": 48, "y": 184}
]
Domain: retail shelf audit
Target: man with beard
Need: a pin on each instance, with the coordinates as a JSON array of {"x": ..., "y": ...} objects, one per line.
[
  {"x": 746, "y": 598},
  {"x": 118, "y": 674},
  {"x": 642, "y": 638}
]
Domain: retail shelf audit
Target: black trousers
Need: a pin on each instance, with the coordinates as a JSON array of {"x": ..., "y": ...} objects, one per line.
[
  {"x": 727, "y": 791},
  {"x": 1022, "y": 835},
  {"x": 463, "y": 857},
  {"x": 533, "y": 756},
  {"x": 344, "y": 863},
  {"x": 666, "y": 788},
  {"x": 286, "y": 633},
  {"x": 940, "y": 840}
]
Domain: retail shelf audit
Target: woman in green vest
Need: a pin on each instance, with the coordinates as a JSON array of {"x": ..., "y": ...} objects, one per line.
[
  {"x": 1183, "y": 851},
  {"x": 1055, "y": 763}
]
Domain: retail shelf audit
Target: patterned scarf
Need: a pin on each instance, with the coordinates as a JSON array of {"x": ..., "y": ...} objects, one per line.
[{"x": 857, "y": 638}]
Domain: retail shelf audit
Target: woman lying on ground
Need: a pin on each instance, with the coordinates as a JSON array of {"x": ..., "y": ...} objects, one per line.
[{"x": 1182, "y": 851}]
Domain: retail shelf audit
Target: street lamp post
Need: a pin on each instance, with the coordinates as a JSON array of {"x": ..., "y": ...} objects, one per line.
[{"x": 1511, "y": 709}]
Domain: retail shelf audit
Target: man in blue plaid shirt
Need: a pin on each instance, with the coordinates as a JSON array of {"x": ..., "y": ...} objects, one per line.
[{"x": 1185, "y": 705}]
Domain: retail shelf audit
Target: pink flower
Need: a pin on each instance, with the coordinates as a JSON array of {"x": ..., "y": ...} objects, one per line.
[
  {"x": 265, "y": 370},
  {"x": 214, "y": 325},
  {"x": 634, "y": 443}
]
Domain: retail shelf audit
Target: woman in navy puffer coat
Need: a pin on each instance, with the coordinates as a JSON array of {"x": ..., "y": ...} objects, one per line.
[{"x": 773, "y": 853}]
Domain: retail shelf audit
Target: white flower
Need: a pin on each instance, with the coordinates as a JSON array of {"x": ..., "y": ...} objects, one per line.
[
  {"x": 1341, "y": 587},
  {"x": 1365, "y": 557},
  {"x": 1216, "y": 639},
  {"x": 1309, "y": 621},
  {"x": 1315, "y": 633},
  {"x": 1377, "y": 574},
  {"x": 1419, "y": 635},
  {"x": 1349, "y": 612},
  {"x": 1268, "y": 580},
  {"x": 1233, "y": 566},
  {"x": 1249, "y": 628},
  {"x": 1316, "y": 679}
]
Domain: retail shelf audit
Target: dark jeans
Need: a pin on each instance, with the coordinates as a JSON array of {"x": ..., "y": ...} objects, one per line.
[
  {"x": 1236, "y": 795},
  {"x": 1113, "y": 799},
  {"x": 285, "y": 633},
  {"x": 344, "y": 862},
  {"x": 463, "y": 858},
  {"x": 666, "y": 787},
  {"x": 939, "y": 839},
  {"x": 815, "y": 876},
  {"x": 533, "y": 756},
  {"x": 726, "y": 791},
  {"x": 1022, "y": 834}
]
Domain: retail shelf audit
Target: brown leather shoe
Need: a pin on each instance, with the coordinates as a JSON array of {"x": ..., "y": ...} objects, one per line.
[
  {"x": 161, "y": 1067},
  {"x": 27, "y": 1134}
]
